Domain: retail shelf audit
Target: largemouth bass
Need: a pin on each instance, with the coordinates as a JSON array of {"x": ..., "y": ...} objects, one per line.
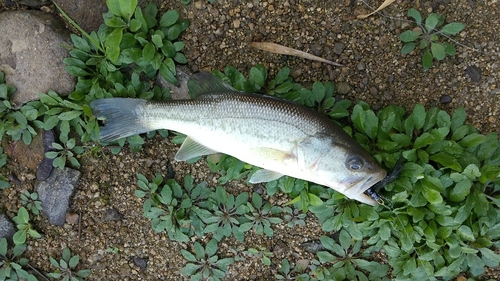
[{"x": 279, "y": 136}]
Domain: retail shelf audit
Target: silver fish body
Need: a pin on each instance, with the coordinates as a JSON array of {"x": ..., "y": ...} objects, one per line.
[{"x": 281, "y": 137}]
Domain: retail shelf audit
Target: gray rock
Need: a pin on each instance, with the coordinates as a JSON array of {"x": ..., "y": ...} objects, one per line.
[
  {"x": 338, "y": 48},
  {"x": 7, "y": 228},
  {"x": 112, "y": 215},
  {"x": 31, "y": 54},
  {"x": 55, "y": 192},
  {"x": 140, "y": 262},
  {"x": 474, "y": 72},
  {"x": 445, "y": 99}
]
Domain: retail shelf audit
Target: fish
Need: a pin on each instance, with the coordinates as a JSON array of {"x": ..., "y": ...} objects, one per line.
[{"x": 279, "y": 136}]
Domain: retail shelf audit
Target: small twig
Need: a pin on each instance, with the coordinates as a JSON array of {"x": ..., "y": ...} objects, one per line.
[
  {"x": 79, "y": 226},
  {"x": 385, "y": 4},
  {"x": 330, "y": 72},
  {"x": 282, "y": 50},
  {"x": 38, "y": 272}
]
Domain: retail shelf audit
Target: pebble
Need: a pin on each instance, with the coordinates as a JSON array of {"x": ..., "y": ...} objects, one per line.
[
  {"x": 343, "y": 88},
  {"x": 473, "y": 72},
  {"x": 338, "y": 48},
  {"x": 142, "y": 263},
  {"x": 112, "y": 215},
  {"x": 72, "y": 218},
  {"x": 445, "y": 99}
]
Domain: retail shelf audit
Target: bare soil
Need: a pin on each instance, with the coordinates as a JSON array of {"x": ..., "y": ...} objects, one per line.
[{"x": 374, "y": 72}]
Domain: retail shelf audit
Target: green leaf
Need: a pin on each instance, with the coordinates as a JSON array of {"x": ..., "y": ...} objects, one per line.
[
  {"x": 452, "y": 28},
  {"x": 458, "y": 118},
  {"x": 180, "y": 58},
  {"x": 114, "y": 7},
  {"x": 75, "y": 71},
  {"x": 438, "y": 51},
  {"x": 413, "y": 13},
  {"x": 460, "y": 191},
  {"x": 80, "y": 43},
  {"x": 472, "y": 140},
  {"x": 157, "y": 40},
  {"x": 69, "y": 115},
  {"x": 325, "y": 257},
  {"x": 258, "y": 75},
  {"x": 127, "y": 8},
  {"x": 466, "y": 233},
  {"x": 409, "y": 36},
  {"x": 408, "y": 48},
  {"x": 112, "y": 44},
  {"x": 418, "y": 116},
  {"x": 173, "y": 32},
  {"x": 427, "y": 59},
  {"x": 148, "y": 52},
  {"x": 449, "y": 49},
  {"x": 431, "y": 21},
  {"x": 167, "y": 71},
  {"x": 169, "y": 18},
  {"x": 447, "y": 160}
]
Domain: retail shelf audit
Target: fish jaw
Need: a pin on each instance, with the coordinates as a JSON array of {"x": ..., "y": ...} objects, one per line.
[{"x": 355, "y": 189}]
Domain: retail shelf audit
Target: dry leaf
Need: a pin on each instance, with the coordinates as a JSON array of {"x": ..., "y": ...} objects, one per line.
[
  {"x": 279, "y": 49},
  {"x": 385, "y": 4}
]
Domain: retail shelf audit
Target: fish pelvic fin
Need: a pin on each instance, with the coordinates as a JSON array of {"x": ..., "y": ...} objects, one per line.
[
  {"x": 203, "y": 83},
  {"x": 122, "y": 117},
  {"x": 264, "y": 175},
  {"x": 191, "y": 149}
]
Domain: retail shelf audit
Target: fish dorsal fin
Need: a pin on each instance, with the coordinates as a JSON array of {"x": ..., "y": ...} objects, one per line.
[
  {"x": 191, "y": 149},
  {"x": 264, "y": 175},
  {"x": 204, "y": 83}
]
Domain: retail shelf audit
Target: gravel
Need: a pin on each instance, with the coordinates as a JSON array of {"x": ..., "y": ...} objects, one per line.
[{"x": 374, "y": 72}]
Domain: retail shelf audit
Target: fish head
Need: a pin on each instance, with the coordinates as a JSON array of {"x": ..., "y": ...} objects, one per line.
[{"x": 350, "y": 170}]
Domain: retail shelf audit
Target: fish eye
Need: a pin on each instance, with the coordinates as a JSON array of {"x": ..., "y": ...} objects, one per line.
[{"x": 354, "y": 163}]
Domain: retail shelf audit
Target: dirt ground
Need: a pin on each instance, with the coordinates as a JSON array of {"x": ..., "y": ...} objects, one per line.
[{"x": 374, "y": 72}]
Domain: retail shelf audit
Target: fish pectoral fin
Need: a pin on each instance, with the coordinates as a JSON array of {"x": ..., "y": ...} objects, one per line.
[
  {"x": 264, "y": 175},
  {"x": 191, "y": 149}
]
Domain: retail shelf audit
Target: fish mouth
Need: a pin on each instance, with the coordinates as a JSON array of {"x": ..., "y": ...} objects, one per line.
[{"x": 357, "y": 186}]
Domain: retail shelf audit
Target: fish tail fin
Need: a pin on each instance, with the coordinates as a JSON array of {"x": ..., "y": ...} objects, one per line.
[{"x": 122, "y": 117}]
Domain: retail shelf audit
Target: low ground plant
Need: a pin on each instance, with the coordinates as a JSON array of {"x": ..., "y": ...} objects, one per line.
[{"x": 427, "y": 37}]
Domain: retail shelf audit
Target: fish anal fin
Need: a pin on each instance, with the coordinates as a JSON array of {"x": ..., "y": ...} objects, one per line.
[
  {"x": 264, "y": 175},
  {"x": 191, "y": 149}
]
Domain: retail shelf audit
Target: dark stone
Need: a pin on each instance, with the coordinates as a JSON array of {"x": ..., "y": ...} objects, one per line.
[
  {"x": 316, "y": 49},
  {"x": 45, "y": 167},
  {"x": 445, "y": 99},
  {"x": 338, "y": 48},
  {"x": 473, "y": 72},
  {"x": 142, "y": 263},
  {"x": 55, "y": 193},
  {"x": 170, "y": 171},
  {"x": 112, "y": 215}
]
